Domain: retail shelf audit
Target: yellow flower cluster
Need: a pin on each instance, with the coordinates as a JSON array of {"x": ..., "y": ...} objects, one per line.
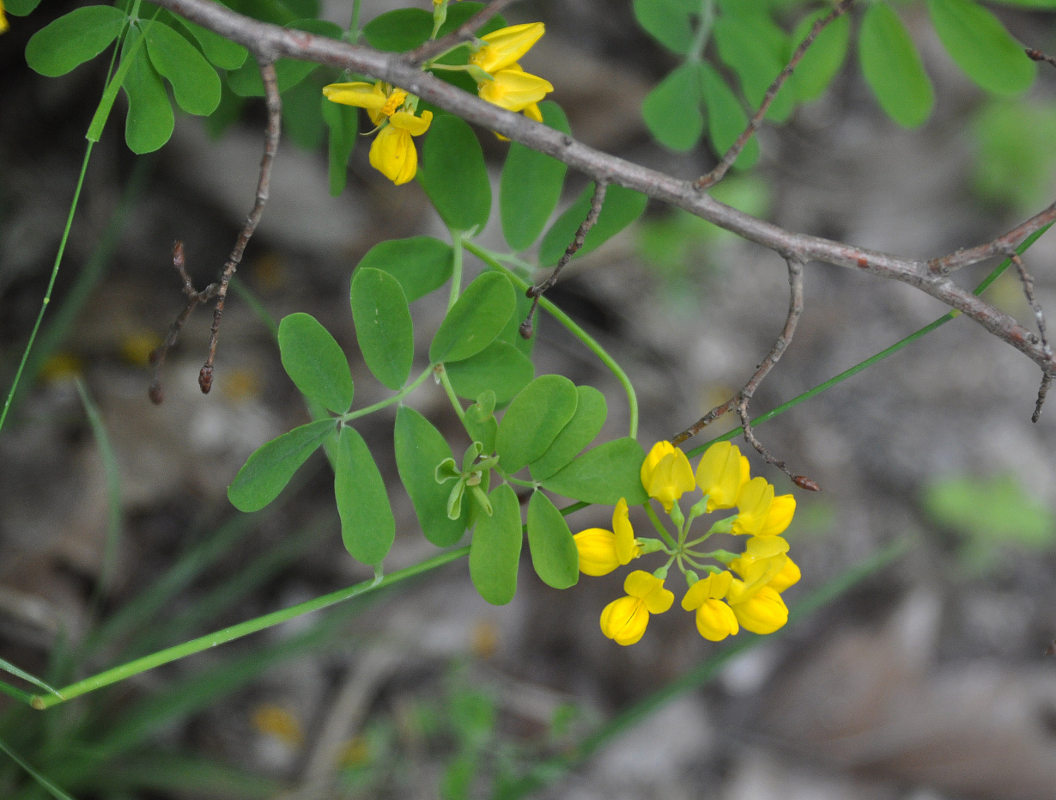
[
  {"x": 508, "y": 86},
  {"x": 742, "y": 591}
]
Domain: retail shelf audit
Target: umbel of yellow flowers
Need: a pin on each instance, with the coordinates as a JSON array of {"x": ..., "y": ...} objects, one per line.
[
  {"x": 394, "y": 112},
  {"x": 740, "y": 591}
]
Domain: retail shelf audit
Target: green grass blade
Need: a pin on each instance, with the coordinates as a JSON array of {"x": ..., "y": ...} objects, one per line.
[{"x": 44, "y": 783}]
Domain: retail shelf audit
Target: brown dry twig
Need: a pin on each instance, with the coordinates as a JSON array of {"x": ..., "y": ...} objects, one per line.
[
  {"x": 1037, "y": 55},
  {"x": 719, "y": 171},
  {"x": 597, "y": 199},
  {"x": 218, "y": 290},
  {"x": 1027, "y": 280}
]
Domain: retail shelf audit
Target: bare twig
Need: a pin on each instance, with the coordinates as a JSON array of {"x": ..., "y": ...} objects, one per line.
[
  {"x": 271, "y": 145},
  {"x": 465, "y": 33},
  {"x": 535, "y": 292},
  {"x": 1027, "y": 280},
  {"x": 741, "y": 400},
  {"x": 719, "y": 170},
  {"x": 194, "y": 297},
  {"x": 1037, "y": 55},
  {"x": 930, "y": 276}
]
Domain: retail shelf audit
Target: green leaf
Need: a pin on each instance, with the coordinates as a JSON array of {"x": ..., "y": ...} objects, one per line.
[
  {"x": 1015, "y": 163},
  {"x": 823, "y": 58},
  {"x": 368, "y": 528},
  {"x": 246, "y": 80},
  {"x": 222, "y": 52},
  {"x": 453, "y": 174},
  {"x": 500, "y": 367},
  {"x": 21, "y": 8},
  {"x": 621, "y": 208},
  {"x": 530, "y": 186},
  {"x": 270, "y": 467},
  {"x": 343, "y": 124},
  {"x": 150, "y": 121},
  {"x": 315, "y": 362},
  {"x": 603, "y": 475},
  {"x": 73, "y": 39},
  {"x": 419, "y": 448},
  {"x": 383, "y": 325},
  {"x": 981, "y": 46},
  {"x": 534, "y": 419},
  {"x": 496, "y": 548},
  {"x": 302, "y": 121},
  {"x": 554, "y": 554},
  {"x": 672, "y": 109},
  {"x": 400, "y": 30},
  {"x": 480, "y": 421},
  {"x": 668, "y": 21},
  {"x": 756, "y": 50},
  {"x": 580, "y": 431},
  {"x": 421, "y": 264},
  {"x": 726, "y": 118},
  {"x": 892, "y": 67},
  {"x": 195, "y": 84},
  {"x": 475, "y": 319}
]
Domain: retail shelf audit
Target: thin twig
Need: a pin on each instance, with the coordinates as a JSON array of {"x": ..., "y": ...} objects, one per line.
[
  {"x": 194, "y": 297},
  {"x": 466, "y": 32},
  {"x": 1027, "y": 280},
  {"x": 719, "y": 171},
  {"x": 271, "y": 145},
  {"x": 535, "y": 292},
  {"x": 741, "y": 400},
  {"x": 1037, "y": 55}
]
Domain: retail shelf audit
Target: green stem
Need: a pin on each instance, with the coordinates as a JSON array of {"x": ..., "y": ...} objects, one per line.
[
  {"x": 449, "y": 390},
  {"x": 388, "y": 401},
  {"x": 574, "y": 329},
  {"x": 51, "y": 285},
  {"x": 170, "y": 654},
  {"x": 668, "y": 539},
  {"x": 456, "y": 267}
]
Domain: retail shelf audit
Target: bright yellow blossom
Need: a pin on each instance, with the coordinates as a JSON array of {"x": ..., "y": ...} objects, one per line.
[
  {"x": 764, "y": 557},
  {"x": 510, "y": 86},
  {"x": 602, "y": 551},
  {"x": 666, "y": 474},
  {"x": 759, "y": 512},
  {"x": 624, "y": 620},
  {"x": 721, "y": 474},
  {"x": 393, "y": 152},
  {"x": 504, "y": 47},
  {"x": 4, "y": 25},
  {"x": 715, "y": 619},
  {"x": 759, "y": 611}
]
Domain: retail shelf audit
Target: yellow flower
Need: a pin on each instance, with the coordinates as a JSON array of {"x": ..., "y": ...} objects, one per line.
[
  {"x": 759, "y": 512},
  {"x": 666, "y": 474},
  {"x": 393, "y": 152},
  {"x": 759, "y": 611},
  {"x": 721, "y": 474},
  {"x": 715, "y": 619},
  {"x": 4, "y": 25},
  {"x": 624, "y": 620},
  {"x": 601, "y": 551},
  {"x": 504, "y": 47},
  {"x": 763, "y": 559}
]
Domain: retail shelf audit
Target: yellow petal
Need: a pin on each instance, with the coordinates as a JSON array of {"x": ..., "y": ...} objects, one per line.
[
  {"x": 514, "y": 89},
  {"x": 624, "y": 620},
  {"x": 407, "y": 121},
  {"x": 506, "y": 45},
  {"x": 597, "y": 551},
  {"x": 716, "y": 620},
  {"x": 627, "y": 548},
  {"x": 763, "y": 612},
  {"x": 393, "y": 155},
  {"x": 357, "y": 93},
  {"x": 721, "y": 474},
  {"x": 753, "y": 507},
  {"x": 780, "y": 516}
]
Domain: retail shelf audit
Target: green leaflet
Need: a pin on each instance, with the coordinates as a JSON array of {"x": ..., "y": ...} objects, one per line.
[
  {"x": 756, "y": 50},
  {"x": 892, "y": 67},
  {"x": 554, "y": 554},
  {"x": 603, "y": 475},
  {"x": 383, "y": 325},
  {"x": 533, "y": 420},
  {"x": 726, "y": 117},
  {"x": 342, "y": 122},
  {"x": 419, "y": 448},
  {"x": 530, "y": 186},
  {"x": 302, "y": 122},
  {"x": 270, "y": 467},
  {"x": 496, "y": 548},
  {"x": 823, "y": 58},
  {"x": 580, "y": 431},
  {"x": 981, "y": 46},
  {"x": 315, "y": 362},
  {"x": 73, "y": 39},
  {"x": 500, "y": 367},
  {"x": 475, "y": 319},
  {"x": 668, "y": 21},
  {"x": 621, "y": 208},
  {"x": 453, "y": 174},
  {"x": 368, "y": 528},
  {"x": 150, "y": 121},
  {"x": 672, "y": 109},
  {"x": 420, "y": 263},
  {"x": 400, "y": 30},
  {"x": 195, "y": 84},
  {"x": 222, "y": 52}
]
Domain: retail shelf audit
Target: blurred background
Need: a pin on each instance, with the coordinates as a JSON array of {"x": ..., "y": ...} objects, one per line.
[{"x": 928, "y": 680}]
